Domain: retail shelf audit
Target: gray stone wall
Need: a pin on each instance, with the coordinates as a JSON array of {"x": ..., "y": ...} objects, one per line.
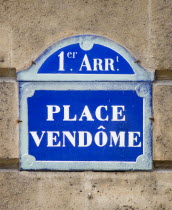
[{"x": 27, "y": 28}]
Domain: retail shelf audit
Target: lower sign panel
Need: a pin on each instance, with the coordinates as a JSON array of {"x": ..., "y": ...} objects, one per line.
[{"x": 85, "y": 126}]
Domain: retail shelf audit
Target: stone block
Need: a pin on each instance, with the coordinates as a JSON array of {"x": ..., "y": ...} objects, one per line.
[
  {"x": 8, "y": 119},
  {"x": 85, "y": 190},
  {"x": 162, "y": 129},
  {"x": 43, "y": 23},
  {"x": 161, "y": 34},
  {"x": 5, "y": 47}
]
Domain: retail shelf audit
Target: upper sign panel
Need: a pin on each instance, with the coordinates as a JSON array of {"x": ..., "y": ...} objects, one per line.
[
  {"x": 85, "y": 58},
  {"x": 73, "y": 59}
]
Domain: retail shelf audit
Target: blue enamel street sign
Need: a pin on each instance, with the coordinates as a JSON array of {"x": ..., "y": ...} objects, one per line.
[
  {"x": 85, "y": 58},
  {"x": 91, "y": 125}
]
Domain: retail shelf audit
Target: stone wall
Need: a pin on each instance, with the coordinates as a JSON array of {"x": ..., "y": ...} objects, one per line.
[{"x": 27, "y": 28}]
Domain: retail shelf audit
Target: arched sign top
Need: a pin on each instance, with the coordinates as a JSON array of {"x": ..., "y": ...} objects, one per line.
[
  {"x": 74, "y": 59},
  {"x": 85, "y": 58}
]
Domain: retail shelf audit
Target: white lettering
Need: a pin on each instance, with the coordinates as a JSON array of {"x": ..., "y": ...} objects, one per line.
[
  {"x": 36, "y": 138},
  {"x": 52, "y": 139},
  {"x": 99, "y": 112},
  {"x": 86, "y": 113},
  {"x": 70, "y": 137},
  {"x": 97, "y": 64},
  {"x": 132, "y": 140},
  {"x": 109, "y": 63},
  {"x": 51, "y": 110},
  {"x": 85, "y": 63},
  {"x": 114, "y": 138},
  {"x": 84, "y": 142},
  {"x": 97, "y": 138},
  {"x": 117, "y": 112},
  {"x": 61, "y": 61},
  {"x": 66, "y": 114}
]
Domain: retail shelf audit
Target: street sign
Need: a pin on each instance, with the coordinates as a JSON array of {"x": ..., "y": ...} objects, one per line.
[
  {"x": 85, "y": 58},
  {"x": 89, "y": 125}
]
